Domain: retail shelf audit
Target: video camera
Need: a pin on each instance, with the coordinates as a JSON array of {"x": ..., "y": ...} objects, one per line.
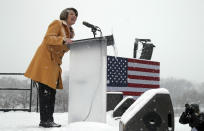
[
  {"x": 193, "y": 117},
  {"x": 192, "y": 108}
]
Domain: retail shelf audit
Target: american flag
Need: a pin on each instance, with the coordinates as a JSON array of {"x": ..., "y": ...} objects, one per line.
[{"x": 132, "y": 76}]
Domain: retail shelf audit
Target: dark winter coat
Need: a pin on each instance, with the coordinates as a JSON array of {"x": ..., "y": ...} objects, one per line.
[{"x": 194, "y": 120}]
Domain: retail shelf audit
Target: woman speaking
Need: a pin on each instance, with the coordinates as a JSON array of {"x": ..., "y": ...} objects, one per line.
[{"x": 45, "y": 66}]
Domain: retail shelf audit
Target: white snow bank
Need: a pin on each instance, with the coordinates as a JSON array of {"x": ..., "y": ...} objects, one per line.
[
  {"x": 28, "y": 121},
  {"x": 140, "y": 102},
  {"x": 90, "y": 126}
]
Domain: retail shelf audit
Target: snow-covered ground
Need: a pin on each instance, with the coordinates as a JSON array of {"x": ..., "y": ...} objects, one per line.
[{"x": 26, "y": 121}]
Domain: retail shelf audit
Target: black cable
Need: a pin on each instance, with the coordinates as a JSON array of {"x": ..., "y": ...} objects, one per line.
[{"x": 94, "y": 94}]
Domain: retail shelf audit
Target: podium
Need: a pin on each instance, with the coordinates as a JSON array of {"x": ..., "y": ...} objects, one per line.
[{"x": 87, "y": 80}]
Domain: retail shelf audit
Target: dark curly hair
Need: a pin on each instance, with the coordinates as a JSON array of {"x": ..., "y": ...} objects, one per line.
[{"x": 65, "y": 12}]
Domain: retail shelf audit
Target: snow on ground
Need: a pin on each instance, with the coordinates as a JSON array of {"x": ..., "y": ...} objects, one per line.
[{"x": 26, "y": 121}]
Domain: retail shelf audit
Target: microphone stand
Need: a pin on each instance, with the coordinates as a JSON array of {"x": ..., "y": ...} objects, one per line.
[{"x": 94, "y": 31}]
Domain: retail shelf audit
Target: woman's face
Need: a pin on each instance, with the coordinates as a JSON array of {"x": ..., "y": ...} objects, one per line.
[{"x": 71, "y": 18}]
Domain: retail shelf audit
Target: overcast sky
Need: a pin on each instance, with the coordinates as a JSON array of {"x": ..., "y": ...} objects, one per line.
[{"x": 176, "y": 27}]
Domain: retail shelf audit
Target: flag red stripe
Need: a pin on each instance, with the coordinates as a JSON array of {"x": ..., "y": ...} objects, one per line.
[
  {"x": 143, "y": 77},
  {"x": 144, "y": 62},
  {"x": 142, "y": 85},
  {"x": 143, "y": 69},
  {"x": 132, "y": 93}
]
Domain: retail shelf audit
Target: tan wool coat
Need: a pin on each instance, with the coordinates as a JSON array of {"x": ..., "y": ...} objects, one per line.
[{"x": 45, "y": 65}]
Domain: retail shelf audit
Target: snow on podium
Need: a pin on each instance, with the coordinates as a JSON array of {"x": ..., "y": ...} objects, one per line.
[{"x": 92, "y": 73}]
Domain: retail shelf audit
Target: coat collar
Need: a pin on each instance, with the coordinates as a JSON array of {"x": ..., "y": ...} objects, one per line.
[{"x": 64, "y": 22}]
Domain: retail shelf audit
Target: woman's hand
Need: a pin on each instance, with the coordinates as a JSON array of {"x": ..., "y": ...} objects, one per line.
[{"x": 67, "y": 41}]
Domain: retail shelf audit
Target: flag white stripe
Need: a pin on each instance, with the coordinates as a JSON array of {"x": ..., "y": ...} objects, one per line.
[
  {"x": 156, "y": 67},
  {"x": 135, "y": 81},
  {"x": 139, "y": 73},
  {"x": 130, "y": 89}
]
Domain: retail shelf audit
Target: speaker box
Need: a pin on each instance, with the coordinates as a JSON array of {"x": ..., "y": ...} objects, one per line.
[
  {"x": 113, "y": 98},
  {"x": 147, "y": 51},
  {"x": 150, "y": 113},
  {"x": 123, "y": 106}
]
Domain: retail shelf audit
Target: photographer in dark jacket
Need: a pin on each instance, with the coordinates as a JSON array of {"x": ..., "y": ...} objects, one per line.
[{"x": 193, "y": 116}]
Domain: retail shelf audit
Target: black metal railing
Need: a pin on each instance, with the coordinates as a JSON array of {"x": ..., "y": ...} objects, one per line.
[{"x": 20, "y": 89}]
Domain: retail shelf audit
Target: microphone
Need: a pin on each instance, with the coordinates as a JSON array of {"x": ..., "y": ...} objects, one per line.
[{"x": 90, "y": 25}]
